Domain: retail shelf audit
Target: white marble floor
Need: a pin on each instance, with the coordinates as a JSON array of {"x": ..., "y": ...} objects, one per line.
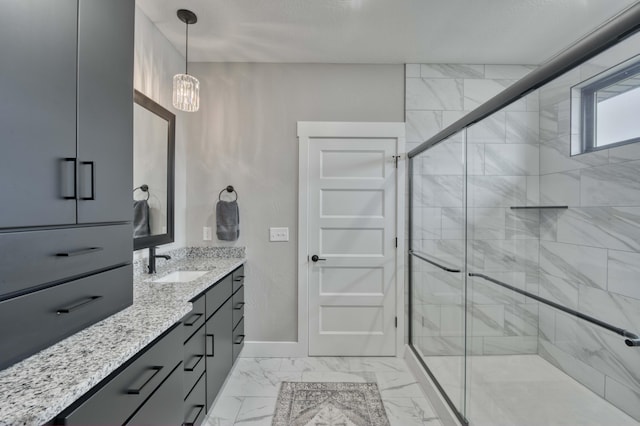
[
  {"x": 249, "y": 395},
  {"x": 523, "y": 390}
]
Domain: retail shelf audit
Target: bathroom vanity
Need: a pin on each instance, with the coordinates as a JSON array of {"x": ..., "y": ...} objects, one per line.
[{"x": 163, "y": 358}]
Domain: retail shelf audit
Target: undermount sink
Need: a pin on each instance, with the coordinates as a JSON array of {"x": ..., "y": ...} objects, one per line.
[{"x": 180, "y": 277}]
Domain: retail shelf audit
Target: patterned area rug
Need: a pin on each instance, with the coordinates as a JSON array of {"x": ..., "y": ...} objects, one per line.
[{"x": 329, "y": 404}]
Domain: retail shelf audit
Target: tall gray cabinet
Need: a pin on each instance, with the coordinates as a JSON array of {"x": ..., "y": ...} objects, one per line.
[{"x": 66, "y": 142}]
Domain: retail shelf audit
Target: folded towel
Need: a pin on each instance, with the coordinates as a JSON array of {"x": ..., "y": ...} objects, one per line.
[
  {"x": 227, "y": 220},
  {"x": 141, "y": 224}
]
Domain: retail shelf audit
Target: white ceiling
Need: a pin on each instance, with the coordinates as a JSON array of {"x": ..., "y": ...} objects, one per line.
[{"x": 380, "y": 31}]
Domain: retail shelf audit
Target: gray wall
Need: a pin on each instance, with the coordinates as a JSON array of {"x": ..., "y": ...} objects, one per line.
[
  {"x": 245, "y": 135},
  {"x": 155, "y": 63}
]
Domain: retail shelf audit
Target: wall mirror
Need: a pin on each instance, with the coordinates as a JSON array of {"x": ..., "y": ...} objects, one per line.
[{"x": 153, "y": 173}]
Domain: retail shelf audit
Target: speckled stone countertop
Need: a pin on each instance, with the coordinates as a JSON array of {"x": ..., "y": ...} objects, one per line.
[{"x": 36, "y": 389}]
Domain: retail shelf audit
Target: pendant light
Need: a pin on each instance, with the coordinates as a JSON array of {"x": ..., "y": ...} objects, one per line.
[{"x": 186, "y": 88}]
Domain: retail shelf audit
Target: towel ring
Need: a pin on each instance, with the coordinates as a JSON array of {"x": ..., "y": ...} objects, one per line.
[
  {"x": 228, "y": 189},
  {"x": 143, "y": 188}
]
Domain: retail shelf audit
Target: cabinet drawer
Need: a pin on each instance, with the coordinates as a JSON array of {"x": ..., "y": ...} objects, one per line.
[
  {"x": 218, "y": 294},
  {"x": 238, "y": 278},
  {"x": 34, "y": 321},
  {"x": 33, "y": 258},
  {"x": 238, "y": 306},
  {"x": 121, "y": 396},
  {"x": 165, "y": 405},
  {"x": 194, "y": 319},
  {"x": 194, "y": 404},
  {"x": 238, "y": 339},
  {"x": 194, "y": 361}
]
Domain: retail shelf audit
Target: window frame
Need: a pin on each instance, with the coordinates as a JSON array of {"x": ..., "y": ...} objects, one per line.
[{"x": 588, "y": 109}]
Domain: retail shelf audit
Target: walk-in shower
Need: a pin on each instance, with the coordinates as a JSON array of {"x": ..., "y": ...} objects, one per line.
[{"x": 525, "y": 245}]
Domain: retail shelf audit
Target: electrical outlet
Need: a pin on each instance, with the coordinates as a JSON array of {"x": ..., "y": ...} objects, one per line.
[
  {"x": 278, "y": 234},
  {"x": 206, "y": 233}
]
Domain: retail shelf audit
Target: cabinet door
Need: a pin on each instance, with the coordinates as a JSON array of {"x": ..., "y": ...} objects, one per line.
[
  {"x": 105, "y": 110},
  {"x": 37, "y": 112},
  {"x": 219, "y": 349},
  {"x": 165, "y": 406}
]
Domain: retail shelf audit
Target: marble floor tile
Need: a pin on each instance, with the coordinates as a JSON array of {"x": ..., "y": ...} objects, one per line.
[
  {"x": 224, "y": 412},
  {"x": 256, "y": 412},
  {"x": 397, "y": 385},
  {"x": 250, "y": 394},
  {"x": 332, "y": 376},
  {"x": 410, "y": 412}
]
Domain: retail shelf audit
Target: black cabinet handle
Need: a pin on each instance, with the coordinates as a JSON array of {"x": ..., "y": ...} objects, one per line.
[
  {"x": 239, "y": 306},
  {"x": 212, "y": 345},
  {"x": 239, "y": 340},
  {"x": 79, "y": 252},
  {"x": 191, "y": 420},
  {"x": 198, "y": 358},
  {"x": 192, "y": 320},
  {"x": 75, "y": 178},
  {"x": 144, "y": 380},
  {"x": 238, "y": 278},
  {"x": 77, "y": 305},
  {"x": 316, "y": 258},
  {"x": 93, "y": 180}
]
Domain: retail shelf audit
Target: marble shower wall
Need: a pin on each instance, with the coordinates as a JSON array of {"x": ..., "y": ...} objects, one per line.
[
  {"x": 502, "y": 164},
  {"x": 590, "y": 253}
]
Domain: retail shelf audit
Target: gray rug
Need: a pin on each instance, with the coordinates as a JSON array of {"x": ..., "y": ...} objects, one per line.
[{"x": 329, "y": 404}]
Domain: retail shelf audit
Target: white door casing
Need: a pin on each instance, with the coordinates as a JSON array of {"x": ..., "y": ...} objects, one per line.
[{"x": 351, "y": 190}]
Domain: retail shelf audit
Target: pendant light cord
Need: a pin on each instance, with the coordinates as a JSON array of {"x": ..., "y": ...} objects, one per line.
[{"x": 186, "y": 45}]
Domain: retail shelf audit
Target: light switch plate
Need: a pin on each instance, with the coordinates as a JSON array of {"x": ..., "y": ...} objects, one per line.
[
  {"x": 278, "y": 234},
  {"x": 206, "y": 233}
]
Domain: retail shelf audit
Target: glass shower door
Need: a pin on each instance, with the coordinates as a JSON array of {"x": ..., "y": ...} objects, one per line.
[{"x": 437, "y": 264}]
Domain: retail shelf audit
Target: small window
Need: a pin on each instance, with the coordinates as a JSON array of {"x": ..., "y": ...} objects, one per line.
[{"x": 609, "y": 109}]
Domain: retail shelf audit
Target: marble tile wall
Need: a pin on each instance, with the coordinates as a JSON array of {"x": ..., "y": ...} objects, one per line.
[
  {"x": 503, "y": 168},
  {"x": 590, "y": 253}
]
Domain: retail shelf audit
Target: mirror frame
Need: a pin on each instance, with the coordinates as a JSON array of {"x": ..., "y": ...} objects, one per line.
[{"x": 155, "y": 108}]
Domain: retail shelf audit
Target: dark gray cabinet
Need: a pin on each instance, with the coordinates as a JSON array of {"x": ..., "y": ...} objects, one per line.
[
  {"x": 66, "y": 165},
  {"x": 105, "y": 85},
  {"x": 122, "y": 397},
  {"x": 66, "y": 120},
  {"x": 219, "y": 349},
  {"x": 38, "y": 46}
]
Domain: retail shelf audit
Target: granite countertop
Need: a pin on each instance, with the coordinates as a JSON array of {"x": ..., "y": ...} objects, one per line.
[{"x": 41, "y": 386}]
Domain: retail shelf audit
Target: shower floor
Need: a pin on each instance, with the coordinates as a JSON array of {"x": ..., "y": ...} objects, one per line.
[{"x": 523, "y": 390}]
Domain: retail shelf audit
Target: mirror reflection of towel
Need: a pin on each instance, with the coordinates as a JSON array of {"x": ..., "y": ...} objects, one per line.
[
  {"x": 141, "y": 225},
  {"x": 227, "y": 220}
]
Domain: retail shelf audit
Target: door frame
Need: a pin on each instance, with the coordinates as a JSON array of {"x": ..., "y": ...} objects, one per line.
[{"x": 308, "y": 130}]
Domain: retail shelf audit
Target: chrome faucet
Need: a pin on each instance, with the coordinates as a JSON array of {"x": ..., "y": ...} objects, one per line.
[{"x": 152, "y": 259}]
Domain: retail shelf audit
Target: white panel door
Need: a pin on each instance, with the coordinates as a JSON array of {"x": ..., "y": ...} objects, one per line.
[{"x": 351, "y": 228}]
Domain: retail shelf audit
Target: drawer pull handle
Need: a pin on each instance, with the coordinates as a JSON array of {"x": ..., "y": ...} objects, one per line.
[
  {"x": 77, "y": 305},
  {"x": 80, "y": 252},
  {"x": 145, "y": 379},
  {"x": 239, "y": 306},
  {"x": 198, "y": 358},
  {"x": 191, "y": 421},
  {"x": 93, "y": 180},
  {"x": 212, "y": 345},
  {"x": 75, "y": 183},
  {"x": 238, "y": 278},
  {"x": 192, "y": 320},
  {"x": 239, "y": 340}
]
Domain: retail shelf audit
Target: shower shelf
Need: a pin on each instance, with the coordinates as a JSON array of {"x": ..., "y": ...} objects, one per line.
[
  {"x": 631, "y": 339},
  {"x": 537, "y": 207}
]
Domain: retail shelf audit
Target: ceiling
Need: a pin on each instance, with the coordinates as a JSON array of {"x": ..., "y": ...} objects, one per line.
[{"x": 380, "y": 31}]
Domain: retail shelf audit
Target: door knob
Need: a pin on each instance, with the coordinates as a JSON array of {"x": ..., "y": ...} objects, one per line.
[{"x": 315, "y": 258}]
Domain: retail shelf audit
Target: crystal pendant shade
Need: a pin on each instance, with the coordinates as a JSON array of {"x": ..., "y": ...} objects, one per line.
[{"x": 186, "y": 92}]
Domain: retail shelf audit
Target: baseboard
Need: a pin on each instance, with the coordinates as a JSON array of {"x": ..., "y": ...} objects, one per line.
[
  {"x": 442, "y": 409},
  {"x": 273, "y": 350}
]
